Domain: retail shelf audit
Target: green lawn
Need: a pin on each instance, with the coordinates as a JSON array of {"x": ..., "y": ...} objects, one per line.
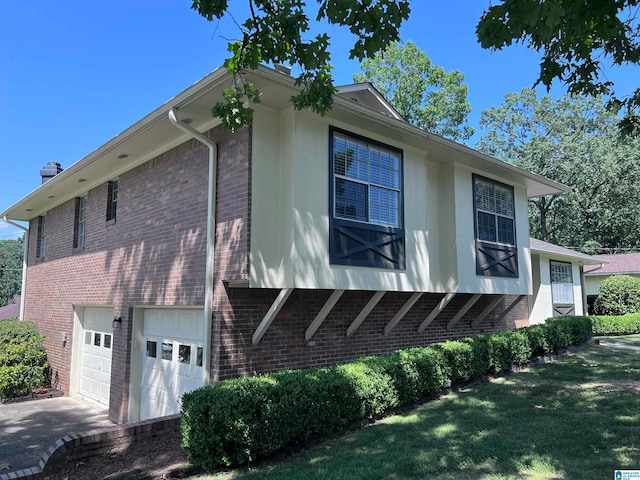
[{"x": 578, "y": 417}]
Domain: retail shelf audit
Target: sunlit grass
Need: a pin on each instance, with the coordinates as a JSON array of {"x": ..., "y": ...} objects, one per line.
[{"x": 577, "y": 417}]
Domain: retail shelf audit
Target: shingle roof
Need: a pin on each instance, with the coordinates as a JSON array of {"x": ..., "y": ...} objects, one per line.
[
  {"x": 618, "y": 263},
  {"x": 12, "y": 310},
  {"x": 556, "y": 251}
]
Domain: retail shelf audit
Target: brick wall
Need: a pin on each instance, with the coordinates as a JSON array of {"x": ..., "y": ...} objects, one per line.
[
  {"x": 153, "y": 253},
  {"x": 284, "y": 345}
]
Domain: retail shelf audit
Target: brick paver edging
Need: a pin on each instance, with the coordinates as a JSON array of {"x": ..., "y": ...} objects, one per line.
[{"x": 94, "y": 442}]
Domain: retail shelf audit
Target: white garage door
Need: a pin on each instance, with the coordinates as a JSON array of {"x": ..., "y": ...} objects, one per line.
[
  {"x": 172, "y": 359},
  {"x": 97, "y": 345}
]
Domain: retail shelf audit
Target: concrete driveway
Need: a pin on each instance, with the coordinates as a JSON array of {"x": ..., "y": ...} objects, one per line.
[{"x": 28, "y": 428}]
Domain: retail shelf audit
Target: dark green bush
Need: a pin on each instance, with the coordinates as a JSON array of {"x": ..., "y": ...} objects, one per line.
[
  {"x": 459, "y": 356},
  {"x": 616, "y": 325},
  {"x": 23, "y": 359},
  {"x": 618, "y": 295},
  {"x": 236, "y": 421}
]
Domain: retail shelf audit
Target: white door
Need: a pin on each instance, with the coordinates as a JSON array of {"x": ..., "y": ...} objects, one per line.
[
  {"x": 97, "y": 345},
  {"x": 172, "y": 359}
]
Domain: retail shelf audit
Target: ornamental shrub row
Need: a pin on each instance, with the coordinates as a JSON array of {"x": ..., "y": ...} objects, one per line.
[
  {"x": 23, "y": 359},
  {"x": 616, "y": 325},
  {"x": 236, "y": 421}
]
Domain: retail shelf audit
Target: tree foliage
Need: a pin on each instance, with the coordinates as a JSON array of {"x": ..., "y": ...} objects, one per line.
[
  {"x": 574, "y": 141},
  {"x": 575, "y": 38},
  {"x": 275, "y": 32},
  {"x": 11, "y": 252},
  {"x": 426, "y": 95}
]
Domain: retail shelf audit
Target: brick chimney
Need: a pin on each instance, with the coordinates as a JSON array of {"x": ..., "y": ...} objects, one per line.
[{"x": 50, "y": 170}]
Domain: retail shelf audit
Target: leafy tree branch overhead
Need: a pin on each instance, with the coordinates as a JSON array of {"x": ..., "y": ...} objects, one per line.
[
  {"x": 578, "y": 40},
  {"x": 275, "y": 33}
]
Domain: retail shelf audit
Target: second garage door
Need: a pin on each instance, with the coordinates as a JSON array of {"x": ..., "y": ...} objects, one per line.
[
  {"x": 172, "y": 359},
  {"x": 95, "y": 372}
]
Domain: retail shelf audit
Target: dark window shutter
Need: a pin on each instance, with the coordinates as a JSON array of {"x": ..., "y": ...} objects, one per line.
[
  {"x": 496, "y": 260},
  {"x": 360, "y": 244}
]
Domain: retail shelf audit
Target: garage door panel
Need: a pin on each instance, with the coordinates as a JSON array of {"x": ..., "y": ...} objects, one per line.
[
  {"x": 172, "y": 359},
  {"x": 95, "y": 371}
]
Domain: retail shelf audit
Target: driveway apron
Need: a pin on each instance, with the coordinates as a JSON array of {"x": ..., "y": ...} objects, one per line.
[{"x": 28, "y": 429}]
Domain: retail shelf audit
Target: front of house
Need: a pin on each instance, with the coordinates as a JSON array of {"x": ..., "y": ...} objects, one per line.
[{"x": 179, "y": 254}]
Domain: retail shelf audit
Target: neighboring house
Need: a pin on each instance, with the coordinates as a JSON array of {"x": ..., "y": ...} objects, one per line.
[
  {"x": 335, "y": 237},
  {"x": 618, "y": 264},
  {"x": 558, "y": 281},
  {"x": 12, "y": 310}
]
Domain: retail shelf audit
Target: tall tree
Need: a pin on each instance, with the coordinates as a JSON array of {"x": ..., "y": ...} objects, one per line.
[
  {"x": 274, "y": 33},
  {"x": 11, "y": 252},
  {"x": 575, "y": 141},
  {"x": 577, "y": 40},
  {"x": 425, "y": 94}
]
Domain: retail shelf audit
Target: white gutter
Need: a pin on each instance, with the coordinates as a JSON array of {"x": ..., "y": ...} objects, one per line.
[
  {"x": 210, "y": 251},
  {"x": 23, "y": 293}
]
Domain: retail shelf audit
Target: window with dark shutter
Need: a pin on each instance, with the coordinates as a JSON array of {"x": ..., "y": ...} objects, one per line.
[
  {"x": 366, "y": 222},
  {"x": 494, "y": 207}
]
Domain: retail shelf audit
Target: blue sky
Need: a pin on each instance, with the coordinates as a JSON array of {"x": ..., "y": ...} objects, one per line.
[{"x": 75, "y": 74}]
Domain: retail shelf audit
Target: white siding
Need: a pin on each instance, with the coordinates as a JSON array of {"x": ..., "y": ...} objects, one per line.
[{"x": 290, "y": 216}]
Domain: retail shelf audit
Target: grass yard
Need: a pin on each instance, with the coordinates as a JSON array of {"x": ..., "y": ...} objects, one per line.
[{"x": 578, "y": 417}]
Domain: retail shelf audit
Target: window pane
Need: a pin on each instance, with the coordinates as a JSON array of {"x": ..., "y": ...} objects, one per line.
[
  {"x": 505, "y": 231},
  {"x": 504, "y": 201},
  {"x": 184, "y": 354},
  {"x": 107, "y": 340},
  {"x": 97, "y": 339},
  {"x": 562, "y": 292},
  {"x": 484, "y": 196},
  {"x": 350, "y": 159},
  {"x": 339, "y": 155},
  {"x": 152, "y": 349},
  {"x": 167, "y": 351},
  {"x": 384, "y": 206},
  {"x": 199, "y": 356},
  {"x": 351, "y": 200},
  {"x": 486, "y": 227},
  {"x": 363, "y": 163},
  {"x": 561, "y": 272}
]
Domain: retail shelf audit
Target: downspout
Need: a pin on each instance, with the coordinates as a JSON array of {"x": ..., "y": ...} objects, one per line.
[
  {"x": 210, "y": 251},
  {"x": 23, "y": 292}
]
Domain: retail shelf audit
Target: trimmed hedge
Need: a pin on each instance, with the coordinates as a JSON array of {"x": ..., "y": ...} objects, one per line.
[
  {"x": 616, "y": 325},
  {"x": 236, "y": 421},
  {"x": 23, "y": 359}
]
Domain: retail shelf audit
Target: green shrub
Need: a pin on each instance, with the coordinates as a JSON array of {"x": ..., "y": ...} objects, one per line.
[
  {"x": 616, "y": 325},
  {"x": 460, "y": 357},
  {"x": 236, "y": 421},
  {"x": 618, "y": 295},
  {"x": 538, "y": 340},
  {"x": 22, "y": 358}
]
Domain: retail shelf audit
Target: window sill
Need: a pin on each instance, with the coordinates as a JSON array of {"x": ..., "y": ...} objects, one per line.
[
  {"x": 77, "y": 250},
  {"x": 39, "y": 259},
  {"x": 110, "y": 222}
]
